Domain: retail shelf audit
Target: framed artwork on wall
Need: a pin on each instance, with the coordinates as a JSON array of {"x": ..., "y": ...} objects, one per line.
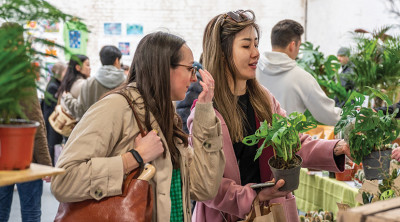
[{"x": 112, "y": 28}]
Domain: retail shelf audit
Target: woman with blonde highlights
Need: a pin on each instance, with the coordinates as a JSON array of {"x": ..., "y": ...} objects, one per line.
[{"x": 230, "y": 53}]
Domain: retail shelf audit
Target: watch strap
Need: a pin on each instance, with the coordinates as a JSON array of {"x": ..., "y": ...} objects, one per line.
[{"x": 137, "y": 156}]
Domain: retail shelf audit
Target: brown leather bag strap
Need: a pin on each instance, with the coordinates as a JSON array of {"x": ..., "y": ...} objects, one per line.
[{"x": 142, "y": 132}]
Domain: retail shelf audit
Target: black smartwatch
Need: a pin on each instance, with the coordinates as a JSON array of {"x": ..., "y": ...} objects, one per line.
[{"x": 137, "y": 156}]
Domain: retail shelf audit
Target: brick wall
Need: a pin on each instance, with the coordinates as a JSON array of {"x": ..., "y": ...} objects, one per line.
[
  {"x": 186, "y": 18},
  {"x": 328, "y": 22}
]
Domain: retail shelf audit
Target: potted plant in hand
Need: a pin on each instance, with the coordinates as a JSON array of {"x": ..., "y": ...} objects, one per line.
[
  {"x": 283, "y": 135},
  {"x": 18, "y": 71},
  {"x": 369, "y": 134}
]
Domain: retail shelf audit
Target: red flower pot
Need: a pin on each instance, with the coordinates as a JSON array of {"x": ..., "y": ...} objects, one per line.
[
  {"x": 346, "y": 175},
  {"x": 16, "y": 144}
]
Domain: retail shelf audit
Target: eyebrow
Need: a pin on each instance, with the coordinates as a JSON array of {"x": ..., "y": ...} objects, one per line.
[{"x": 249, "y": 39}]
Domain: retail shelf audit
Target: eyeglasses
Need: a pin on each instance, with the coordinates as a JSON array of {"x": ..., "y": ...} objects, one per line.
[
  {"x": 238, "y": 16},
  {"x": 192, "y": 68}
]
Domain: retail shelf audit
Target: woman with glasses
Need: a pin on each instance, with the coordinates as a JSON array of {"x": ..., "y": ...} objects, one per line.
[
  {"x": 106, "y": 145},
  {"x": 230, "y": 53}
]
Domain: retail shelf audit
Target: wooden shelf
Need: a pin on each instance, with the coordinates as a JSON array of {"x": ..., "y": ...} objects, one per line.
[{"x": 36, "y": 171}]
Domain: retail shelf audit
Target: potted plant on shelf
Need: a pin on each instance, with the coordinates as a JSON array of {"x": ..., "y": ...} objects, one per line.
[
  {"x": 283, "y": 135},
  {"x": 369, "y": 134},
  {"x": 18, "y": 71}
]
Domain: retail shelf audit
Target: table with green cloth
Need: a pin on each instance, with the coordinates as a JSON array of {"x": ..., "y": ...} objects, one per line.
[{"x": 317, "y": 192}]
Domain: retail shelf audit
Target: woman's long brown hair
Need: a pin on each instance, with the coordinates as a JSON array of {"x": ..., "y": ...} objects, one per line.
[
  {"x": 150, "y": 69},
  {"x": 218, "y": 60}
]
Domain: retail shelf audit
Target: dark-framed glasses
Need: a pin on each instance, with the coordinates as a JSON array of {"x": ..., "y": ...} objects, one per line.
[
  {"x": 192, "y": 68},
  {"x": 239, "y": 15}
]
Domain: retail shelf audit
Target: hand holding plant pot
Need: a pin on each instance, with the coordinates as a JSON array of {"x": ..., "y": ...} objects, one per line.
[
  {"x": 283, "y": 136},
  {"x": 369, "y": 134}
]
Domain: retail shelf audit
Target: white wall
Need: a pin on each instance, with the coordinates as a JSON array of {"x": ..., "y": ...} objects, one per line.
[
  {"x": 187, "y": 18},
  {"x": 328, "y": 21}
]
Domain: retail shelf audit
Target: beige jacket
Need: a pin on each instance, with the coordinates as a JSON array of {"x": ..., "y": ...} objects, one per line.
[
  {"x": 75, "y": 91},
  {"x": 94, "y": 167}
]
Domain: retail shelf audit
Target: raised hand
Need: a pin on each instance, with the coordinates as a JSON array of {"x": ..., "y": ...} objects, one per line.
[{"x": 207, "y": 94}]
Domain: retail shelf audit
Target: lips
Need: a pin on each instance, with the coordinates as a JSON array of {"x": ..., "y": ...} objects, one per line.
[{"x": 253, "y": 65}]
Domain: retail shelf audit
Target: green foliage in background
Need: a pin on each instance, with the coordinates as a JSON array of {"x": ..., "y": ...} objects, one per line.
[
  {"x": 324, "y": 70},
  {"x": 376, "y": 60},
  {"x": 17, "y": 56}
]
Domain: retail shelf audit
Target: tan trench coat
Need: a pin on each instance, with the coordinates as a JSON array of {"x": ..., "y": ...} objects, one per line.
[{"x": 93, "y": 163}]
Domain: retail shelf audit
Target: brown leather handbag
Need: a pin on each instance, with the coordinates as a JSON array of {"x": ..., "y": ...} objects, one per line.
[{"x": 135, "y": 203}]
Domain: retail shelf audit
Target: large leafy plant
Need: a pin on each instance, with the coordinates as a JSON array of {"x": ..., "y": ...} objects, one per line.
[
  {"x": 376, "y": 61},
  {"x": 282, "y": 134},
  {"x": 364, "y": 129},
  {"x": 324, "y": 70},
  {"x": 17, "y": 56}
]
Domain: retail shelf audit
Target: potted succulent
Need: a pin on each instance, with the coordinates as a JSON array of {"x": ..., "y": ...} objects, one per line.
[
  {"x": 283, "y": 135},
  {"x": 19, "y": 65},
  {"x": 369, "y": 134}
]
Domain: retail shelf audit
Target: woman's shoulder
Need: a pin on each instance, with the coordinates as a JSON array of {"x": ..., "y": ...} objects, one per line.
[{"x": 76, "y": 87}]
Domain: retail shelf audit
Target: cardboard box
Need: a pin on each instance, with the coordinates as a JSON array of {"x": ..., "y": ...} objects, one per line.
[{"x": 381, "y": 211}]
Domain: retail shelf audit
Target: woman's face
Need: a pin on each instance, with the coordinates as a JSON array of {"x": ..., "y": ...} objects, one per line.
[
  {"x": 85, "y": 68},
  {"x": 245, "y": 53},
  {"x": 181, "y": 76}
]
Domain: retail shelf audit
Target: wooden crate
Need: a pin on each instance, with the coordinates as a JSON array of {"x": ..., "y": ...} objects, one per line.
[{"x": 381, "y": 211}]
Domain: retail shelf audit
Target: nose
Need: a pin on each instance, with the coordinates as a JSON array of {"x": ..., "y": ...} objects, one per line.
[
  {"x": 255, "y": 53},
  {"x": 193, "y": 78}
]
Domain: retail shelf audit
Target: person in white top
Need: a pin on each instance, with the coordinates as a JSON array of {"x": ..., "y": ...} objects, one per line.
[{"x": 295, "y": 89}]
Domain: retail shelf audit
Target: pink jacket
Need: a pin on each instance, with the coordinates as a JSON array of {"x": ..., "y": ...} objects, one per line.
[{"x": 233, "y": 201}]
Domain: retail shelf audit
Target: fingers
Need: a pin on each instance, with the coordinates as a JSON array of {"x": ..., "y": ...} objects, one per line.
[
  {"x": 273, "y": 192},
  {"x": 138, "y": 138},
  {"x": 396, "y": 154},
  {"x": 207, "y": 78},
  {"x": 279, "y": 184}
]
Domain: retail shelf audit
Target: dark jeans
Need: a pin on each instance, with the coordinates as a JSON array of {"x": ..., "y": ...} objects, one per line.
[{"x": 30, "y": 196}]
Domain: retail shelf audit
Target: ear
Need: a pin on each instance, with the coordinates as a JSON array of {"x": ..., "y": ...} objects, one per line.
[
  {"x": 117, "y": 63},
  {"x": 292, "y": 46},
  {"x": 78, "y": 67}
]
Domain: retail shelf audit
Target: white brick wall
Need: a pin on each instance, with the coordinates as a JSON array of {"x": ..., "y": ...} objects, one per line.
[
  {"x": 327, "y": 21},
  {"x": 186, "y": 18}
]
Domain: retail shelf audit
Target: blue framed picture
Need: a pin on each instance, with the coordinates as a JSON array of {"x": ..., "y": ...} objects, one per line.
[
  {"x": 112, "y": 28},
  {"x": 75, "y": 39},
  {"x": 124, "y": 47},
  {"x": 134, "y": 29}
]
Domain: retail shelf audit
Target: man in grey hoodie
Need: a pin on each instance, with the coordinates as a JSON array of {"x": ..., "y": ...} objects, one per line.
[
  {"x": 109, "y": 76},
  {"x": 295, "y": 89}
]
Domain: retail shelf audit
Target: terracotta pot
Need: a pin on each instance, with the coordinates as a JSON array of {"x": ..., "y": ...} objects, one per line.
[
  {"x": 290, "y": 176},
  {"x": 376, "y": 165},
  {"x": 346, "y": 175},
  {"x": 16, "y": 144}
]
